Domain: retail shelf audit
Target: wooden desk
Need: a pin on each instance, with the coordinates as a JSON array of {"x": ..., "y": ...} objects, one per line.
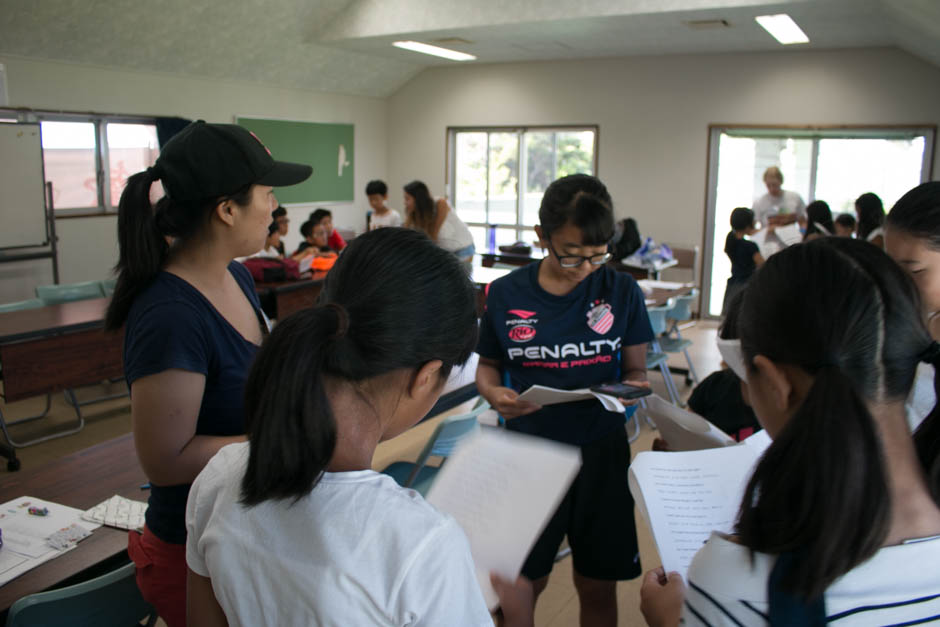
[
  {"x": 643, "y": 271},
  {"x": 80, "y": 480},
  {"x": 56, "y": 347},
  {"x": 286, "y": 297}
]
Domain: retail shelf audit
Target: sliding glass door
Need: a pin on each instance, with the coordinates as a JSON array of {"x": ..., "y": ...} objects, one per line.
[{"x": 832, "y": 165}]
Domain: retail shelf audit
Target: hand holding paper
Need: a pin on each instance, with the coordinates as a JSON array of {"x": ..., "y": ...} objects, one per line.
[{"x": 541, "y": 395}]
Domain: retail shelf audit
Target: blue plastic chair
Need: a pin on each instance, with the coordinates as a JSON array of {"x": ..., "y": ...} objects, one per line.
[
  {"x": 107, "y": 286},
  {"x": 656, "y": 357},
  {"x": 57, "y": 294},
  {"x": 672, "y": 340},
  {"x": 111, "y": 599},
  {"x": 418, "y": 475},
  {"x": 32, "y": 303}
]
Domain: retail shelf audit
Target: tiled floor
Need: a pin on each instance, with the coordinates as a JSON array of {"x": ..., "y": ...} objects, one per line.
[{"x": 558, "y": 605}]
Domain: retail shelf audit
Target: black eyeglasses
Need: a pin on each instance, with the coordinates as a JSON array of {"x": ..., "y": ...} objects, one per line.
[{"x": 573, "y": 261}]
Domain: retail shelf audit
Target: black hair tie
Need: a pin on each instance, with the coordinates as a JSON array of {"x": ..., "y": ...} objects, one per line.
[
  {"x": 342, "y": 319},
  {"x": 930, "y": 354},
  {"x": 155, "y": 173}
]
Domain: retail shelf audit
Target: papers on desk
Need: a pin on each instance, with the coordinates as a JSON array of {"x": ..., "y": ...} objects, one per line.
[
  {"x": 541, "y": 395},
  {"x": 502, "y": 488},
  {"x": 789, "y": 234},
  {"x": 661, "y": 285},
  {"x": 26, "y": 536},
  {"x": 684, "y": 430},
  {"x": 118, "y": 512},
  {"x": 685, "y": 496}
]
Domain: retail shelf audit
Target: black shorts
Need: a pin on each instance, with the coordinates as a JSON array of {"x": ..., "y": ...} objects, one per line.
[{"x": 597, "y": 516}]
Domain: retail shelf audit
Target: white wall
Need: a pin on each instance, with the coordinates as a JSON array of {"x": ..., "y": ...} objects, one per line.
[
  {"x": 88, "y": 246},
  {"x": 654, "y": 113}
]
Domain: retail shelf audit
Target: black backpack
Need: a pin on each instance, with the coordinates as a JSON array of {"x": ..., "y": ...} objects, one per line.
[{"x": 626, "y": 239}]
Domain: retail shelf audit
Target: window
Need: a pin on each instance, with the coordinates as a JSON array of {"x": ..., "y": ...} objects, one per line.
[
  {"x": 498, "y": 176},
  {"x": 835, "y": 165},
  {"x": 88, "y": 157}
]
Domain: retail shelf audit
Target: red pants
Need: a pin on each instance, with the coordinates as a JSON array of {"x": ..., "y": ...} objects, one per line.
[{"x": 161, "y": 575}]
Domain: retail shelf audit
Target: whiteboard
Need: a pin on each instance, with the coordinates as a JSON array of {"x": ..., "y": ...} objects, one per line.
[{"x": 22, "y": 199}]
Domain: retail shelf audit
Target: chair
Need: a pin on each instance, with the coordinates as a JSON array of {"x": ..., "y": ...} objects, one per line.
[
  {"x": 57, "y": 294},
  {"x": 656, "y": 357},
  {"x": 32, "y": 303},
  {"x": 111, "y": 599},
  {"x": 107, "y": 286},
  {"x": 680, "y": 312},
  {"x": 442, "y": 443}
]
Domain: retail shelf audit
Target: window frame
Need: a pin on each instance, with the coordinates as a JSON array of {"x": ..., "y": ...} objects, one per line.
[
  {"x": 106, "y": 206},
  {"x": 450, "y": 164}
]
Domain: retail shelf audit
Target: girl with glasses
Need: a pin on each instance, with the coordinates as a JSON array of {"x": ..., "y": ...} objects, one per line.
[{"x": 570, "y": 321}]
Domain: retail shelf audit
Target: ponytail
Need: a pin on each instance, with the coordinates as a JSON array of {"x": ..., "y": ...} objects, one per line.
[
  {"x": 729, "y": 243},
  {"x": 374, "y": 318},
  {"x": 820, "y": 489},
  {"x": 288, "y": 413},
  {"x": 143, "y": 250}
]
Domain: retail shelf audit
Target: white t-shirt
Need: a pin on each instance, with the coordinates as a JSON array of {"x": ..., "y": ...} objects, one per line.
[
  {"x": 787, "y": 202},
  {"x": 390, "y": 218},
  {"x": 358, "y": 550},
  {"x": 454, "y": 234},
  {"x": 894, "y": 586}
]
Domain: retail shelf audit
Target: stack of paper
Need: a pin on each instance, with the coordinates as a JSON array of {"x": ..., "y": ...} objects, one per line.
[
  {"x": 685, "y": 496},
  {"x": 502, "y": 488},
  {"x": 118, "y": 512},
  {"x": 26, "y": 535}
]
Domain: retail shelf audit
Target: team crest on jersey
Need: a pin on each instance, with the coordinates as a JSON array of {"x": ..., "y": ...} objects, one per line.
[
  {"x": 600, "y": 318},
  {"x": 521, "y": 333}
]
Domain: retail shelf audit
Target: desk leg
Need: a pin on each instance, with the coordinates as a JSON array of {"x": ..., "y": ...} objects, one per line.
[{"x": 7, "y": 450}]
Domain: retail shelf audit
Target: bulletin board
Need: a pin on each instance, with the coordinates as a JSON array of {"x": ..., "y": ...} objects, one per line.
[
  {"x": 22, "y": 195},
  {"x": 326, "y": 147}
]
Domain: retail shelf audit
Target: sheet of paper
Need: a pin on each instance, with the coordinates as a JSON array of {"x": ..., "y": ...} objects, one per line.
[
  {"x": 766, "y": 245},
  {"x": 685, "y": 496},
  {"x": 684, "y": 430},
  {"x": 789, "y": 234},
  {"x": 662, "y": 285},
  {"x": 502, "y": 488},
  {"x": 25, "y": 534},
  {"x": 542, "y": 395}
]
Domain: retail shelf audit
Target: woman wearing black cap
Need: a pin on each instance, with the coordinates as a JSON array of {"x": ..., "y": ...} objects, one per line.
[{"x": 192, "y": 324}]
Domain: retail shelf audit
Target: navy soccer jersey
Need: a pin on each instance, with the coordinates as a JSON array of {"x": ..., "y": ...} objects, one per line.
[{"x": 568, "y": 342}]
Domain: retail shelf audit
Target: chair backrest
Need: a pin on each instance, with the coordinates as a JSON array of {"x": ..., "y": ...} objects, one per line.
[
  {"x": 111, "y": 599},
  {"x": 658, "y": 317},
  {"x": 56, "y": 294},
  {"x": 682, "y": 310},
  {"x": 107, "y": 286},
  {"x": 32, "y": 303},
  {"x": 449, "y": 433}
]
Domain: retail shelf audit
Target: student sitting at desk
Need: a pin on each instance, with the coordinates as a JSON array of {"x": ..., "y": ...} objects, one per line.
[
  {"x": 315, "y": 241},
  {"x": 839, "y": 522},
  {"x": 871, "y": 219},
  {"x": 818, "y": 221},
  {"x": 571, "y": 321},
  {"x": 845, "y": 225},
  {"x": 334, "y": 240},
  {"x": 192, "y": 324},
  {"x": 319, "y": 538},
  {"x": 381, "y": 214},
  {"x": 283, "y": 222},
  {"x": 272, "y": 243}
]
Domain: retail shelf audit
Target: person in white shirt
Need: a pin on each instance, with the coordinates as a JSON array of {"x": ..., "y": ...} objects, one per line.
[
  {"x": 778, "y": 207},
  {"x": 293, "y": 527},
  {"x": 839, "y": 523},
  {"x": 381, "y": 214},
  {"x": 438, "y": 220}
]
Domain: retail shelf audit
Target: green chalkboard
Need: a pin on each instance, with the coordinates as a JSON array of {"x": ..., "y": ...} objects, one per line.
[{"x": 327, "y": 147}]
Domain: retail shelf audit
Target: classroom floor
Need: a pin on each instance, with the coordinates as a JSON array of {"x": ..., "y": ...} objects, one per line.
[{"x": 558, "y": 605}]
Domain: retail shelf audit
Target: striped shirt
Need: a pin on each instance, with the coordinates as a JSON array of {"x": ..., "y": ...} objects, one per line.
[{"x": 899, "y": 585}]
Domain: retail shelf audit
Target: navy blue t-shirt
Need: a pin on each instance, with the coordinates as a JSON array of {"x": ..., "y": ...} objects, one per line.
[
  {"x": 171, "y": 325},
  {"x": 567, "y": 342},
  {"x": 742, "y": 259}
]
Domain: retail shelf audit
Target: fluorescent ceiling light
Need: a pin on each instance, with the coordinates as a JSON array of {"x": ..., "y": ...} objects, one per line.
[
  {"x": 417, "y": 46},
  {"x": 783, "y": 28}
]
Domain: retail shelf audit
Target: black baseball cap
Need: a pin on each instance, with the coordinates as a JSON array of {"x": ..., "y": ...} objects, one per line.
[{"x": 206, "y": 161}]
